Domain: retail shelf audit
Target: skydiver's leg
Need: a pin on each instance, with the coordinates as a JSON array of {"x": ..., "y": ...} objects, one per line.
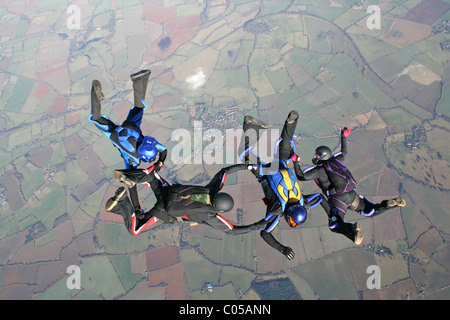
[
  {"x": 102, "y": 122},
  {"x": 285, "y": 148},
  {"x": 120, "y": 204},
  {"x": 251, "y": 134},
  {"x": 369, "y": 209},
  {"x": 140, "y": 81},
  {"x": 219, "y": 178},
  {"x": 132, "y": 177}
]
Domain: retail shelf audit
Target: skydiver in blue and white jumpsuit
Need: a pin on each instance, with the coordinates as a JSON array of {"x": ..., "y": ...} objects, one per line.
[
  {"x": 283, "y": 195},
  {"x": 134, "y": 147}
]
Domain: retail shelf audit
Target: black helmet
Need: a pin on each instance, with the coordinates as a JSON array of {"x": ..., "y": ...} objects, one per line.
[
  {"x": 223, "y": 202},
  {"x": 322, "y": 153}
]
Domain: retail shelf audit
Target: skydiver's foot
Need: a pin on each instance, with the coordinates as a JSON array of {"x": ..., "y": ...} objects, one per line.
[
  {"x": 119, "y": 176},
  {"x": 397, "y": 202},
  {"x": 97, "y": 89},
  {"x": 118, "y": 196},
  {"x": 358, "y": 235},
  {"x": 292, "y": 117},
  {"x": 140, "y": 75},
  {"x": 250, "y": 120}
]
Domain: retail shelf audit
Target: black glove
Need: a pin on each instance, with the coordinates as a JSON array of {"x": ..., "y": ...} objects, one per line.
[
  {"x": 140, "y": 214},
  {"x": 288, "y": 252}
]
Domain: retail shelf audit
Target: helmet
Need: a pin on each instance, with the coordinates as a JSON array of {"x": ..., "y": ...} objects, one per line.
[
  {"x": 147, "y": 150},
  {"x": 295, "y": 215},
  {"x": 223, "y": 202},
  {"x": 322, "y": 153}
]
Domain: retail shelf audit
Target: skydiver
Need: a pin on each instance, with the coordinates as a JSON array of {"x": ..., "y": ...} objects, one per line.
[
  {"x": 177, "y": 202},
  {"x": 339, "y": 187},
  {"x": 283, "y": 195},
  {"x": 134, "y": 147}
]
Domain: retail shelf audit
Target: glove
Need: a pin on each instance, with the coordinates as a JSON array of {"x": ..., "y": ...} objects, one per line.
[
  {"x": 140, "y": 214},
  {"x": 288, "y": 252},
  {"x": 345, "y": 132}
]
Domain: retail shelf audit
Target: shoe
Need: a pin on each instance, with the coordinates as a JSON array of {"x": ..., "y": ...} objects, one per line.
[
  {"x": 119, "y": 176},
  {"x": 358, "y": 235},
  {"x": 292, "y": 117},
  {"x": 250, "y": 120},
  {"x": 112, "y": 202},
  {"x": 139, "y": 75},
  {"x": 397, "y": 202},
  {"x": 97, "y": 87}
]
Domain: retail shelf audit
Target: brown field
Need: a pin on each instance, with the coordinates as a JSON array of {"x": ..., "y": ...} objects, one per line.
[
  {"x": 389, "y": 225},
  {"x": 48, "y": 274},
  {"x": 13, "y": 193},
  {"x": 428, "y": 11},
  {"x": 173, "y": 278},
  {"x": 179, "y": 35},
  {"x": 157, "y": 13},
  {"x": 81, "y": 222},
  {"x": 430, "y": 241},
  {"x": 58, "y": 106},
  {"x": 41, "y": 90},
  {"x": 268, "y": 259},
  {"x": 19, "y": 274},
  {"x": 398, "y": 291},
  {"x": 404, "y": 33},
  {"x": 428, "y": 96},
  {"x": 388, "y": 182},
  {"x": 166, "y": 101},
  {"x": 161, "y": 258},
  {"x": 16, "y": 292},
  {"x": 74, "y": 144},
  {"x": 73, "y": 118},
  {"x": 40, "y": 157},
  {"x": 85, "y": 190},
  {"x": 91, "y": 164}
]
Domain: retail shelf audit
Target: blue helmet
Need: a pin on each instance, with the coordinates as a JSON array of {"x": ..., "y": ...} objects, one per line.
[
  {"x": 295, "y": 214},
  {"x": 147, "y": 150}
]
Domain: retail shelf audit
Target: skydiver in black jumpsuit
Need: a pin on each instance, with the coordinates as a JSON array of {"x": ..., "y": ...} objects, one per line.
[
  {"x": 339, "y": 187},
  {"x": 177, "y": 202}
]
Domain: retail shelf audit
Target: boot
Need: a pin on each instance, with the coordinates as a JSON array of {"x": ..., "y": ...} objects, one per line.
[
  {"x": 97, "y": 90},
  {"x": 358, "y": 235},
  {"x": 119, "y": 176},
  {"x": 292, "y": 117},
  {"x": 96, "y": 97},
  {"x": 250, "y": 120},
  {"x": 112, "y": 202},
  {"x": 397, "y": 202},
  {"x": 140, "y": 81}
]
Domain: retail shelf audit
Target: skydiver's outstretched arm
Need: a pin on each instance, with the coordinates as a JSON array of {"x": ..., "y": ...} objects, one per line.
[
  {"x": 311, "y": 173},
  {"x": 344, "y": 134},
  {"x": 268, "y": 237}
]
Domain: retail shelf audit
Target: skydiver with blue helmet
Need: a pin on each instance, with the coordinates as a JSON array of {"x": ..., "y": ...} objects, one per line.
[
  {"x": 283, "y": 195},
  {"x": 134, "y": 147},
  {"x": 339, "y": 188}
]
